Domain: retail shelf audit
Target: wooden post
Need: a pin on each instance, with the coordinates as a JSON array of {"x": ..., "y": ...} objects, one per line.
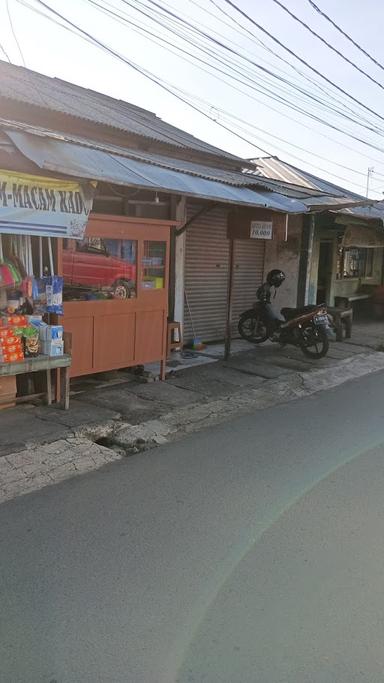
[
  {"x": 67, "y": 337},
  {"x": 227, "y": 347},
  {"x": 65, "y": 388},
  {"x": 49, "y": 387},
  {"x": 163, "y": 362}
]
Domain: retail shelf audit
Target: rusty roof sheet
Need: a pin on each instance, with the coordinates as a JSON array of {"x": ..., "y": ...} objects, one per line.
[{"x": 55, "y": 95}]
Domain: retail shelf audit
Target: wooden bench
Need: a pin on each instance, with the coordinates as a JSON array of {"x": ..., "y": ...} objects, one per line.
[
  {"x": 43, "y": 364},
  {"x": 346, "y": 301},
  {"x": 364, "y": 293}
]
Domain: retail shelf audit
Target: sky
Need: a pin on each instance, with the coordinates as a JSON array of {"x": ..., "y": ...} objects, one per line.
[{"x": 262, "y": 124}]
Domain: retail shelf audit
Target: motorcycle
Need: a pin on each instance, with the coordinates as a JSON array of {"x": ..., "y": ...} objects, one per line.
[{"x": 306, "y": 327}]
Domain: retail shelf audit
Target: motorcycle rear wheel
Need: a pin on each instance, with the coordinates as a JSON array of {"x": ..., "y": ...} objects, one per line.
[
  {"x": 252, "y": 327},
  {"x": 315, "y": 342}
]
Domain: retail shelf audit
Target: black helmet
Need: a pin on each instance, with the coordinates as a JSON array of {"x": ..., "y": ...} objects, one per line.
[{"x": 275, "y": 277}]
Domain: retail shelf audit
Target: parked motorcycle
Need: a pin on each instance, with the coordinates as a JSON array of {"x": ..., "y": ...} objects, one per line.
[{"x": 307, "y": 327}]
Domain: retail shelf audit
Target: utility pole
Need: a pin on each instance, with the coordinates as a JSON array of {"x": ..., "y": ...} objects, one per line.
[{"x": 369, "y": 174}]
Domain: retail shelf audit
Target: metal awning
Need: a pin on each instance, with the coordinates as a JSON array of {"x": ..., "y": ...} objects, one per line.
[
  {"x": 94, "y": 164},
  {"x": 362, "y": 236}
]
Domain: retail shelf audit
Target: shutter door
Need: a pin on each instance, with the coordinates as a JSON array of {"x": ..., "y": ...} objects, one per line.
[
  {"x": 206, "y": 275},
  {"x": 247, "y": 276}
]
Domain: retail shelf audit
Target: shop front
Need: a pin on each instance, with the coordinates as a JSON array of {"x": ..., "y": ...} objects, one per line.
[
  {"x": 99, "y": 281},
  {"x": 116, "y": 293},
  {"x": 347, "y": 265},
  {"x": 35, "y": 213},
  {"x": 228, "y": 251},
  {"x": 207, "y": 273}
]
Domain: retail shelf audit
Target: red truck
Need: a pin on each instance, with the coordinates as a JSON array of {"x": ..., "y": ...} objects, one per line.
[{"x": 90, "y": 266}]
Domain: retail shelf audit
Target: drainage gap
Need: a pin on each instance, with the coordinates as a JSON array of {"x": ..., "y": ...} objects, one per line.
[
  {"x": 108, "y": 442},
  {"x": 130, "y": 449}
]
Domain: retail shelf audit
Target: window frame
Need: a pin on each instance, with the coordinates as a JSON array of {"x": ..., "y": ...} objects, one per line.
[{"x": 364, "y": 254}]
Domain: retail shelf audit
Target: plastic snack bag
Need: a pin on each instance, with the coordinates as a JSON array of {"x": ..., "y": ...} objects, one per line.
[{"x": 54, "y": 292}]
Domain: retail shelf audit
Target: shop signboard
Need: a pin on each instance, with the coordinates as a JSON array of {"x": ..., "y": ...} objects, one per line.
[
  {"x": 47, "y": 207},
  {"x": 261, "y": 230}
]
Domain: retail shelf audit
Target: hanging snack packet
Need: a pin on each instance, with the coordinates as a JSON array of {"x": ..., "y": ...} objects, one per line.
[
  {"x": 31, "y": 342},
  {"x": 39, "y": 296},
  {"x": 54, "y": 292}
]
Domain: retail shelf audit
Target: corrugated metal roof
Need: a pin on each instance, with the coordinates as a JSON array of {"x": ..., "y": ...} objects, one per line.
[
  {"x": 84, "y": 162},
  {"x": 288, "y": 189},
  {"x": 55, "y": 95},
  {"x": 272, "y": 167},
  {"x": 325, "y": 201},
  {"x": 375, "y": 212},
  {"x": 320, "y": 195},
  {"x": 247, "y": 178},
  {"x": 237, "y": 178}
]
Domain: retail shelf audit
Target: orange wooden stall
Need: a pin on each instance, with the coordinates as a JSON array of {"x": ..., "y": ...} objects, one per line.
[{"x": 115, "y": 333}]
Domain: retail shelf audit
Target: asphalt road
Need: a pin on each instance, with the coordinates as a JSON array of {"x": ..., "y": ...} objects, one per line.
[{"x": 252, "y": 551}]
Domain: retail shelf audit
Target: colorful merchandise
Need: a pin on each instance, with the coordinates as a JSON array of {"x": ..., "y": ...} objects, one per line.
[
  {"x": 52, "y": 348},
  {"x": 6, "y": 276},
  {"x": 31, "y": 342},
  {"x": 50, "y": 332},
  {"x": 54, "y": 290}
]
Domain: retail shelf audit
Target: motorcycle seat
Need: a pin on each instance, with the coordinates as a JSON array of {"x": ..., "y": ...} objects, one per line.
[{"x": 290, "y": 313}]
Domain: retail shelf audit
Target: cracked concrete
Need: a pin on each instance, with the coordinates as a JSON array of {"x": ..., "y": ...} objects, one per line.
[
  {"x": 191, "y": 418},
  {"x": 42, "y": 446},
  {"x": 42, "y": 465}
]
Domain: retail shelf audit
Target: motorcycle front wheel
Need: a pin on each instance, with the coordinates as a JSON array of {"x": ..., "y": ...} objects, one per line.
[
  {"x": 314, "y": 343},
  {"x": 252, "y": 327}
]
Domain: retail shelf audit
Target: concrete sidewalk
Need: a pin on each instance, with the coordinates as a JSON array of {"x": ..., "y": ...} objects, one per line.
[{"x": 109, "y": 419}]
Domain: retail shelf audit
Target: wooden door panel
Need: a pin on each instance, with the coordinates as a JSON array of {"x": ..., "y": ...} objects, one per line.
[
  {"x": 149, "y": 339},
  {"x": 114, "y": 341},
  {"x": 82, "y": 344}
]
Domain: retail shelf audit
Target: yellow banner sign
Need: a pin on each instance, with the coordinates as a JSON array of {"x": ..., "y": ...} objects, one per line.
[{"x": 49, "y": 207}]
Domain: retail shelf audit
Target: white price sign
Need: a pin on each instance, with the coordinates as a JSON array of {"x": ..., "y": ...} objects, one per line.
[{"x": 261, "y": 230}]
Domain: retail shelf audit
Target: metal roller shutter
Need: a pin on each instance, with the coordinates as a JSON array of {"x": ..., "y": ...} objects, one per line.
[
  {"x": 247, "y": 275},
  {"x": 206, "y": 275}
]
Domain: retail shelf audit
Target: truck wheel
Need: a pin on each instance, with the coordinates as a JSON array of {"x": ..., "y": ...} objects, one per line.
[{"x": 123, "y": 289}]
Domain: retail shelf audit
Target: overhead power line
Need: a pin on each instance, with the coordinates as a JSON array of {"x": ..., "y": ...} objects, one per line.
[
  {"x": 142, "y": 71},
  {"x": 14, "y": 33},
  {"x": 185, "y": 54},
  {"x": 244, "y": 32},
  {"x": 270, "y": 93},
  {"x": 225, "y": 45},
  {"x": 346, "y": 35},
  {"x": 251, "y": 36},
  {"x": 5, "y": 53},
  {"x": 187, "y": 98},
  {"x": 135, "y": 5},
  {"x": 303, "y": 61},
  {"x": 249, "y": 132},
  {"x": 171, "y": 89},
  {"x": 231, "y": 64},
  {"x": 325, "y": 42},
  {"x": 290, "y": 104}
]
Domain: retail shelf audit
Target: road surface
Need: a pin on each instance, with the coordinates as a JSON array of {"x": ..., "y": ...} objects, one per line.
[{"x": 252, "y": 551}]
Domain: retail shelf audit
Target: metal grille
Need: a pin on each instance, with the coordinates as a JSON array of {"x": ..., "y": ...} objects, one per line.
[
  {"x": 247, "y": 275},
  {"x": 206, "y": 275}
]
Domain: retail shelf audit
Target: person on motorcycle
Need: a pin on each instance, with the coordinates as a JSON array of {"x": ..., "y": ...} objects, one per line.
[{"x": 275, "y": 279}]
